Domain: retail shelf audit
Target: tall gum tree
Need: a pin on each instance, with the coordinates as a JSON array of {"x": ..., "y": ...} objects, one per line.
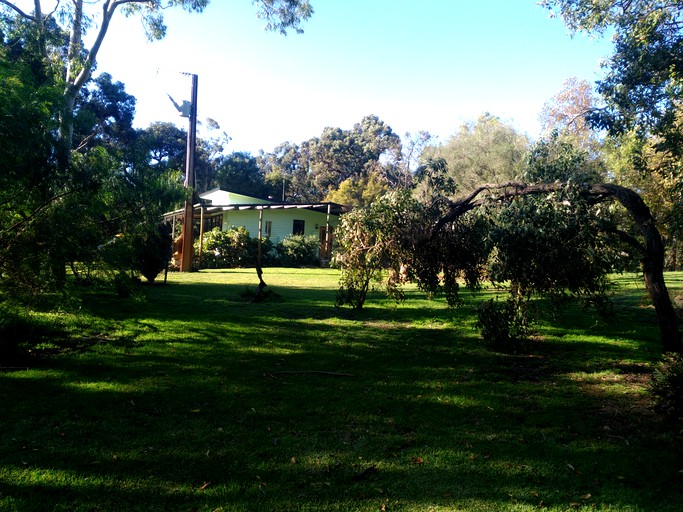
[
  {"x": 79, "y": 16},
  {"x": 642, "y": 85}
]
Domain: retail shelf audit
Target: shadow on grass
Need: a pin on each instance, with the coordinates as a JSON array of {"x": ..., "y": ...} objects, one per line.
[{"x": 214, "y": 404}]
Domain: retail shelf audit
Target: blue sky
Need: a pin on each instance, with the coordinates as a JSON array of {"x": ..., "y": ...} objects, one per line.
[{"x": 416, "y": 64}]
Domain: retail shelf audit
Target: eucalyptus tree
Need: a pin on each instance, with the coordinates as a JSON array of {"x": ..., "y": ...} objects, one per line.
[
  {"x": 78, "y": 17},
  {"x": 642, "y": 95},
  {"x": 642, "y": 88},
  {"x": 567, "y": 113},
  {"x": 103, "y": 114},
  {"x": 638, "y": 163},
  {"x": 163, "y": 145},
  {"x": 338, "y": 154},
  {"x": 239, "y": 172},
  {"x": 484, "y": 151},
  {"x": 286, "y": 172}
]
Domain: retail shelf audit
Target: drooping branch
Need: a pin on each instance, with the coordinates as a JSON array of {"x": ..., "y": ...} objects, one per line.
[{"x": 652, "y": 249}]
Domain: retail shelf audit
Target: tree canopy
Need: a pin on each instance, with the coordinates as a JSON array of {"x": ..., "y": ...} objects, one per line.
[
  {"x": 483, "y": 151},
  {"x": 73, "y": 63},
  {"x": 552, "y": 236},
  {"x": 642, "y": 87}
]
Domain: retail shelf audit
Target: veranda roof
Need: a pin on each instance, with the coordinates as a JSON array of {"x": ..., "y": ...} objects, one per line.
[{"x": 334, "y": 208}]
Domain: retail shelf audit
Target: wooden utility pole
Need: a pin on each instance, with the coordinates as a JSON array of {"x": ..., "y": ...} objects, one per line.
[{"x": 188, "y": 217}]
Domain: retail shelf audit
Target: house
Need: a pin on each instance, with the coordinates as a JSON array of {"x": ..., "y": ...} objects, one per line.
[{"x": 274, "y": 220}]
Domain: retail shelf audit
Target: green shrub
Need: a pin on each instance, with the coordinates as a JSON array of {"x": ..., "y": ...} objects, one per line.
[
  {"x": 152, "y": 251},
  {"x": 666, "y": 387},
  {"x": 226, "y": 249},
  {"x": 299, "y": 251},
  {"x": 125, "y": 285},
  {"x": 270, "y": 257},
  {"x": 21, "y": 333},
  {"x": 234, "y": 248},
  {"x": 504, "y": 325}
]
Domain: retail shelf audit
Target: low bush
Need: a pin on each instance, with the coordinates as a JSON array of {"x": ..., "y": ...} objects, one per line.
[
  {"x": 504, "y": 326},
  {"x": 299, "y": 251},
  {"x": 666, "y": 387},
  {"x": 14, "y": 330},
  {"x": 125, "y": 285},
  {"x": 234, "y": 248},
  {"x": 152, "y": 252},
  {"x": 226, "y": 249}
]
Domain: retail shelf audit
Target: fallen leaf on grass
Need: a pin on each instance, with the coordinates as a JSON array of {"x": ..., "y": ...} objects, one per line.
[{"x": 417, "y": 460}]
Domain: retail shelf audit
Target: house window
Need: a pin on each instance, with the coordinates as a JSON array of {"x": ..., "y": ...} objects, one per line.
[
  {"x": 213, "y": 222},
  {"x": 268, "y": 228},
  {"x": 298, "y": 227}
]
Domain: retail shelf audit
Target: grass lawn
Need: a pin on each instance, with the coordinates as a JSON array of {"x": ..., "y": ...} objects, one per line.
[{"x": 187, "y": 397}]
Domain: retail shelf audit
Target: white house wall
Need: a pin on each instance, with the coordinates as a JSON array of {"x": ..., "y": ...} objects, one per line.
[{"x": 282, "y": 221}]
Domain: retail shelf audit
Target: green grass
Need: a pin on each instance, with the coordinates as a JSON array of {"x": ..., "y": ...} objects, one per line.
[{"x": 188, "y": 397}]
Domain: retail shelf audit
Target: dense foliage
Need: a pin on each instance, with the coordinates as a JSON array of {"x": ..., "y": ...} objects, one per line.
[
  {"x": 484, "y": 151},
  {"x": 375, "y": 238},
  {"x": 82, "y": 191},
  {"x": 234, "y": 248},
  {"x": 640, "y": 98},
  {"x": 556, "y": 244},
  {"x": 226, "y": 249},
  {"x": 666, "y": 387}
]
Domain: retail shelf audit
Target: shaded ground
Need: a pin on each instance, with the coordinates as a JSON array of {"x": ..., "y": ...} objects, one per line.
[{"x": 191, "y": 399}]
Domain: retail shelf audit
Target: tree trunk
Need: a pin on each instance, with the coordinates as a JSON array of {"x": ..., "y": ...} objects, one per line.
[{"x": 652, "y": 263}]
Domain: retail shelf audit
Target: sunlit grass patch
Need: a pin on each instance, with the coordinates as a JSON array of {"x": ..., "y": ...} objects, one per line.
[{"x": 195, "y": 400}]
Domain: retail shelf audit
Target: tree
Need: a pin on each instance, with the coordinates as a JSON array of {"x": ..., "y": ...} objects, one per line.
[
  {"x": 286, "y": 172},
  {"x": 553, "y": 237},
  {"x": 54, "y": 217},
  {"x": 399, "y": 170},
  {"x": 239, "y": 172},
  {"x": 651, "y": 249},
  {"x": 338, "y": 154},
  {"x": 104, "y": 113},
  {"x": 558, "y": 158},
  {"x": 636, "y": 162},
  {"x": 566, "y": 114},
  {"x": 358, "y": 191},
  {"x": 642, "y": 94},
  {"x": 374, "y": 238},
  {"x": 78, "y": 16},
  {"x": 28, "y": 176},
  {"x": 642, "y": 88},
  {"x": 163, "y": 146},
  {"x": 484, "y": 151}
]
